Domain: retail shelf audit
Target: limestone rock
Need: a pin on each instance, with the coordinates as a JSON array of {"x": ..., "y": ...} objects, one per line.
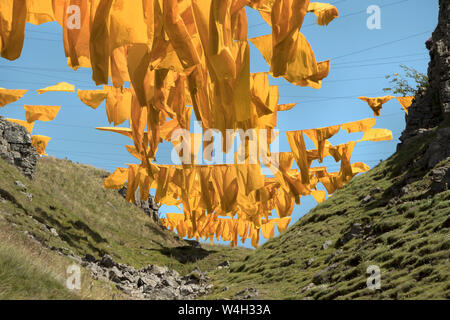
[
  {"x": 16, "y": 147},
  {"x": 326, "y": 244},
  {"x": 148, "y": 206},
  {"x": 431, "y": 105}
]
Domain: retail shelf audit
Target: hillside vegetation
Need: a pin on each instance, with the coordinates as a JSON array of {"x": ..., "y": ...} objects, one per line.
[
  {"x": 66, "y": 211},
  {"x": 391, "y": 217},
  {"x": 31, "y": 271}
]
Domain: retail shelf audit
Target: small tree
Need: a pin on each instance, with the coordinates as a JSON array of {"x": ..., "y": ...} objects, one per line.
[{"x": 400, "y": 84}]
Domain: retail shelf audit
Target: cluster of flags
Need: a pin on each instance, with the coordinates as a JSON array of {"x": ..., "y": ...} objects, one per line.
[
  {"x": 376, "y": 104},
  {"x": 35, "y": 112},
  {"x": 192, "y": 56}
]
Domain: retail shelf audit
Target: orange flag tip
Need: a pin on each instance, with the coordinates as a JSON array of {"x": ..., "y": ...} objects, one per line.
[
  {"x": 283, "y": 223},
  {"x": 405, "y": 102},
  {"x": 42, "y": 113},
  {"x": 325, "y": 12},
  {"x": 359, "y": 167},
  {"x": 39, "y": 12},
  {"x": 376, "y": 103},
  {"x": 359, "y": 126},
  {"x": 92, "y": 98},
  {"x": 319, "y": 195},
  {"x": 40, "y": 144},
  {"x": 377, "y": 135},
  {"x": 8, "y": 96},
  {"x": 117, "y": 179},
  {"x": 28, "y": 125},
  {"x": 123, "y": 131},
  {"x": 60, "y": 87}
]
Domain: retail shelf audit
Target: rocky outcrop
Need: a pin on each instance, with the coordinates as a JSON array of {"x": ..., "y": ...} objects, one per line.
[
  {"x": 16, "y": 147},
  {"x": 429, "y": 115},
  {"x": 151, "y": 282},
  {"x": 148, "y": 206},
  {"x": 432, "y": 104}
]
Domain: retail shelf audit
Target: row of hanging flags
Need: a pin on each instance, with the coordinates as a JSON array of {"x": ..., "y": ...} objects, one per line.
[
  {"x": 35, "y": 112},
  {"x": 193, "y": 56}
]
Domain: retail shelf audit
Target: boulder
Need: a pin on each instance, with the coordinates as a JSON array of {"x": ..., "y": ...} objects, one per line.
[
  {"x": 224, "y": 264},
  {"x": 115, "y": 275},
  {"x": 16, "y": 147},
  {"x": 326, "y": 244},
  {"x": 107, "y": 262}
]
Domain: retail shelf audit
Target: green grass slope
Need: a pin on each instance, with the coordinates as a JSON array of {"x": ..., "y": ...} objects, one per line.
[
  {"x": 91, "y": 220},
  {"x": 20, "y": 278},
  {"x": 28, "y": 270},
  {"x": 405, "y": 232}
]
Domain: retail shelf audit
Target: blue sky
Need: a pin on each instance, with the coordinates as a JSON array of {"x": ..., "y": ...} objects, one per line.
[{"x": 360, "y": 58}]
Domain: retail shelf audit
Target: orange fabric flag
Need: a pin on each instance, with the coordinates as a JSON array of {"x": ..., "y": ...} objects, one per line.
[
  {"x": 39, "y": 11},
  {"x": 376, "y": 103},
  {"x": 29, "y": 126},
  {"x": 118, "y": 104},
  {"x": 60, "y": 87},
  {"x": 117, "y": 179},
  {"x": 405, "y": 102},
  {"x": 76, "y": 37},
  {"x": 359, "y": 126},
  {"x": 284, "y": 203},
  {"x": 178, "y": 32},
  {"x": 319, "y": 137},
  {"x": 133, "y": 182},
  {"x": 40, "y": 144},
  {"x": 13, "y": 15},
  {"x": 297, "y": 144},
  {"x": 225, "y": 182},
  {"x": 377, "y": 135},
  {"x": 42, "y": 113},
  {"x": 255, "y": 234},
  {"x": 174, "y": 219},
  {"x": 8, "y": 96},
  {"x": 123, "y": 131},
  {"x": 287, "y": 18},
  {"x": 301, "y": 68},
  {"x": 325, "y": 12},
  {"x": 283, "y": 223},
  {"x": 343, "y": 152},
  {"x": 92, "y": 98},
  {"x": 99, "y": 42},
  {"x": 319, "y": 195},
  {"x": 359, "y": 167},
  {"x": 268, "y": 229}
]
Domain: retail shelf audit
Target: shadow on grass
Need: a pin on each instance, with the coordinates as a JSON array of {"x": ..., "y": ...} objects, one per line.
[{"x": 185, "y": 254}]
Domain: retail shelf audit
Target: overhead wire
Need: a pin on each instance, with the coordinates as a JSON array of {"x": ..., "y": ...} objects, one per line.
[
  {"x": 380, "y": 45},
  {"x": 341, "y": 17}
]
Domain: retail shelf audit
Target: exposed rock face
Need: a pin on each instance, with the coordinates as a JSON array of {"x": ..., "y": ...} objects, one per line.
[
  {"x": 148, "y": 206},
  {"x": 16, "y": 147},
  {"x": 151, "y": 282},
  {"x": 432, "y": 105}
]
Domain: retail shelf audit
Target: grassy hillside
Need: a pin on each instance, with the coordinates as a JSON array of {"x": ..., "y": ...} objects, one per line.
[
  {"x": 88, "y": 219},
  {"x": 403, "y": 229},
  {"x": 397, "y": 224},
  {"x": 30, "y": 271}
]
